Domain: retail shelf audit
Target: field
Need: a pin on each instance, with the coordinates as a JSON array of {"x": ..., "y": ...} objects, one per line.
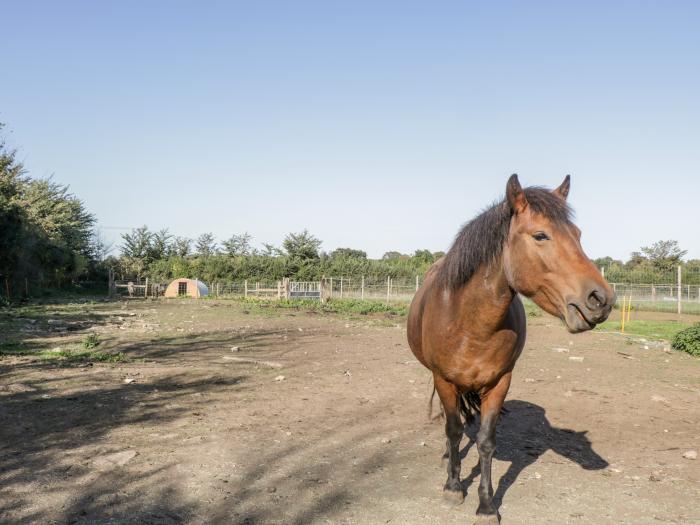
[{"x": 239, "y": 412}]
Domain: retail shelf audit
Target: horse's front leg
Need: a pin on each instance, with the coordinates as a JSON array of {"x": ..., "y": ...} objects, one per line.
[
  {"x": 449, "y": 396},
  {"x": 491, "y": 405}
]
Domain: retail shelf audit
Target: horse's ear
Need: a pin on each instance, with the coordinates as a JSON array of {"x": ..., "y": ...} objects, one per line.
[
  {"x": 563, "y": 189},
  {"x": 515, "y": 194}
]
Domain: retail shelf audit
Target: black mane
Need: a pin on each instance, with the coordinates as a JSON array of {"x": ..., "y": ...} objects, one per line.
[{"x": 481, "y": 240}]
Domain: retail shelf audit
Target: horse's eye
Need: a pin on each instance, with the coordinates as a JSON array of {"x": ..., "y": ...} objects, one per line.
[{"x": 541, "y": 236}]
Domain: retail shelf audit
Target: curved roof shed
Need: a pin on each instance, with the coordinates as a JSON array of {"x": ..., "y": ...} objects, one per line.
[{"x": 187, "y": 288}]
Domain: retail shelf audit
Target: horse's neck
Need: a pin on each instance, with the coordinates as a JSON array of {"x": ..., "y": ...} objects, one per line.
[{"x": 486, "y": 298}]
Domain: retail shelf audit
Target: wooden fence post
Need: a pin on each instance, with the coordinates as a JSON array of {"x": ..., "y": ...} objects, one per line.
[
  {"x": 416, "y": 283},
  {"x": 388, "y": 288},
  {"x": 245, "y": 288},
  {"x": 362, "y": 289},
  {"x": 145, "y": 290},
  {"x": 331, "y": 296},
  {"x": 679, "y": 290},
  {"x": 341, "y": 286}
]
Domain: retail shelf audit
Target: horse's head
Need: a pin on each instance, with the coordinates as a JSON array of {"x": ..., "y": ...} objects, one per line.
[{"x": 544, "y": 260}]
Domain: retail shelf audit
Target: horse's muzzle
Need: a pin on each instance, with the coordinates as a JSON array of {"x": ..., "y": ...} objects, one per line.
[{"x": 585, "y": 315}]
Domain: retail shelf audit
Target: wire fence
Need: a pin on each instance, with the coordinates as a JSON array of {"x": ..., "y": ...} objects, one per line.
[
  {"x": 675, "y": 291},
  {"x": 672, "y": 290}
]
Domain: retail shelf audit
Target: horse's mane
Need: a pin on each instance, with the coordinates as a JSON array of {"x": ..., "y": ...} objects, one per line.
[{"x": 481, "y": 240}]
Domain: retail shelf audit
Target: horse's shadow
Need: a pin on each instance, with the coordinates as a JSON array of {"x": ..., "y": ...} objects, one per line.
[{"x": 523, "y": 435}]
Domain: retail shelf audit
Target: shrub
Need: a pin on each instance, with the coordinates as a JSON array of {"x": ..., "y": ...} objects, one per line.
[{"x": 688, "y": 340}]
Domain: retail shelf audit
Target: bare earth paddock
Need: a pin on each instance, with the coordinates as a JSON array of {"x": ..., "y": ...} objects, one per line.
[{"x": 187, "y": 430}]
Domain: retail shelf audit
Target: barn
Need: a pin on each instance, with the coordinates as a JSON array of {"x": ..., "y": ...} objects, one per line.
[{"x": 187, "y": 288}]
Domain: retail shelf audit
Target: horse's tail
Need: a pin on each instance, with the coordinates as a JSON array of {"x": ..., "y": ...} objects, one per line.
[
  {"x": 470, "y": 405},
  {"x": 430, "y": 407}
]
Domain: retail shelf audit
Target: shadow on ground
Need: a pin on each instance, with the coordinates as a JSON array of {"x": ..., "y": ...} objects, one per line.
[
  {"x": 523, "y": 435},
  {"x": 51, "y": 441}
]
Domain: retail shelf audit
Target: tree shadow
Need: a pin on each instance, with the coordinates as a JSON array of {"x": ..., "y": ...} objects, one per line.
[
  {"x": 523, "y": 435},
  {"x": 58, "y": 438}
]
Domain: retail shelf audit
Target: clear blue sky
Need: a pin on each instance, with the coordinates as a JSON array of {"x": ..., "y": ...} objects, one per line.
[{"x": 376, "y": 125}]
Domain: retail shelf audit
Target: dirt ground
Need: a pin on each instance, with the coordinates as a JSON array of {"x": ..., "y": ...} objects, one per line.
[{"x": 227, "y": 415}]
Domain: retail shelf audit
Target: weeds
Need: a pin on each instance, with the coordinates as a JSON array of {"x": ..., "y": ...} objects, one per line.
[{"x": 91, "y": 341}]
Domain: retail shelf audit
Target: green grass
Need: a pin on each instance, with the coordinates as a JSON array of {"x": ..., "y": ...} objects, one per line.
[
  {"x": 687, "y": 307},
  {"x": 334, "y": 306},
  {"x": 659, "y": 330},
  {"x": 73, "y": 353}
]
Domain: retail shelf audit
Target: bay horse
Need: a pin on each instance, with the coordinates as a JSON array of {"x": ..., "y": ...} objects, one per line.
[{"x": 466, "y": 323}]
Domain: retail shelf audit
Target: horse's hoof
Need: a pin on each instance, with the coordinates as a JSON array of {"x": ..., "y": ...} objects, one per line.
[
  {"x": 487, "y": 519},
  {"x": 453, "y": 497}
]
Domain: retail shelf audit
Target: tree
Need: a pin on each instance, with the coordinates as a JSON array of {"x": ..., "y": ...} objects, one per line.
[
  {"x": 664, "y": 255},
  {"x": 390, "y": 256},
  {"x": 46, "y": 233},
  {"x": 137, "y": 250},
  {"x": 238, "y": 244},
  {"x": 424, "y": 256},
  {"x": 348, "y": 253},
  {"x": 12, "y": 216},
  {"x": 270, "y": 250},
  {"x": 636, "y": 260},
  {"x": 180, "y": 246},
  {"x": 137, "y": 244},
  {"x": 100, "y": 249},
  {"x": 301, "y": 246},
  {"x": 206, "y": 245},
  {"x": 161, "y": 245}
]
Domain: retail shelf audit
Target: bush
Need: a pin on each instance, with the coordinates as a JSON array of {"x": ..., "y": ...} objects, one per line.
[{"x": 688, "y": 340}]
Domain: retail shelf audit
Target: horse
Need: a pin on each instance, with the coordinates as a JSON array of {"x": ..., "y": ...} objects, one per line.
[{"x": 466, "y": 323}]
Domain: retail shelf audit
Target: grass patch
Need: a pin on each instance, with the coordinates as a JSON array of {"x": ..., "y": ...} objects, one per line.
[
  {"x": 334, "y": 306},
  {"x": 91, "y": 341},
  {"x": 83, "y": 356},
  {"x": 659, "y": 330},
  {"x": 70, "y": 354}
]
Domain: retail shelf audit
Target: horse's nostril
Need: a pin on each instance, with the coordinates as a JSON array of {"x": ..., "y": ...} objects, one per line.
[{"x": 596, "y": 300}]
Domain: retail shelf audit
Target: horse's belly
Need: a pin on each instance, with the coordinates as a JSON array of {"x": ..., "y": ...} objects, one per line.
[{"x": 474, "y": 367}]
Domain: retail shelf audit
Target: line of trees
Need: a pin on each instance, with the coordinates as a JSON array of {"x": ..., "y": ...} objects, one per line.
[
  {"x": 47, "y": 236},
  {"x": 656, "y": 263},
  {"x": 162, "y": 256}
]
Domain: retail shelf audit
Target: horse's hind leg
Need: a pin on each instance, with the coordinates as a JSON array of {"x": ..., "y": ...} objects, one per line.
[
  {"x": 453, "y": 429},
  {"x": 491, "y": 405}
]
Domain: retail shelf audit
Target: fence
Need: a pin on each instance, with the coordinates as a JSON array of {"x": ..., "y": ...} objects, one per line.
[
  {"x": 681, "y": 295},
  {"x": 675, "y": 290}
]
